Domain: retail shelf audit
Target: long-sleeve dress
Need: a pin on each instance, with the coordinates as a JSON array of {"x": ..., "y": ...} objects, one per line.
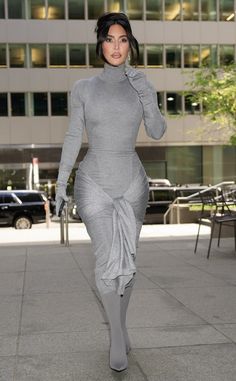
[{"x": 111, "y": 187}]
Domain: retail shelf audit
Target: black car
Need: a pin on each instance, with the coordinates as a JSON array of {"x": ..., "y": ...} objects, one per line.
[{"x": 22, "y": 208}]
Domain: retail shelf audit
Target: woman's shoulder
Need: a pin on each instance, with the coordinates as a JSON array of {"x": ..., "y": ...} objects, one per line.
[{"x": 82, "y": 86}]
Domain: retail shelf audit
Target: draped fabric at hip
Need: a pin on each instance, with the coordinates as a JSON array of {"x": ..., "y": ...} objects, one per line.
[{"x": 127, "y": 214}]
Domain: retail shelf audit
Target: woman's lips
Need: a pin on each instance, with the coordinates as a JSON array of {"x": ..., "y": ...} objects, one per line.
[{"x": 116, "y": 55}]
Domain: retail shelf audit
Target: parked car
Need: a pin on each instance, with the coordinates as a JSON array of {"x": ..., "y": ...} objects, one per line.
[
  {"x": 22, "y": 208},
  {"x": 160, "y": 198}
]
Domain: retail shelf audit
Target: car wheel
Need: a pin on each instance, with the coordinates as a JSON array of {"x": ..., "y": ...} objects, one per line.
[{"x": 23, "y": 223}]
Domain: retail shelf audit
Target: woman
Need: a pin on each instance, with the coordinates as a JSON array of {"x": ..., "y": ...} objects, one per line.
[{"x": 111, "y": 187}]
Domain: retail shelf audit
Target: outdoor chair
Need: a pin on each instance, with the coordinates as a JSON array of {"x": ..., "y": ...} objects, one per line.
[{"x": 216, "y": 210}]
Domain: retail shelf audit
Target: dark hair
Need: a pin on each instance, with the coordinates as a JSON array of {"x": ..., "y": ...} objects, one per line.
[{"x": 103, "y": 24}]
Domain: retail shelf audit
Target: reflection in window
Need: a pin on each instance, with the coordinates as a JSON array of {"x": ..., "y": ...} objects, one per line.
[
  {"x": 57, "y": 55},
  {"x": 173, "y": 103},
  {"x": 77, "y": 55},
  {"x": 3, "y": 104},
  {"x": 59, "y": 104},
  {"x": 115, "y": 5},
  {"x": 173, "y": 56},
  {"x": 191, "y": 106},
  {"x": 172, "y": 10},
  {"x": 56, "y": 9},
  {"x": 190, "y": 10},
  {"x": 134, "y": 9},
  {"x": 76, "y": 9},
  {"x": 3, "y": 58},
  {"x": 141, "y": 55},
  {"x": 17, "y": 55},
  {"x": 226, "y": 54},
  {"x": 2, "y": 10},
  {"x": 38, "y": 55},
  {"x": 154, "y": 55},
  {"x": 154, "y": 9},
  {"x": 39, "y": 104},
  {"x": 18, "y": 104},
  {"x": 226, "y": 10},
  {"x": 16, "y": 9},
  {"x": 160, "y": 101},
  {"x": 37, "y": 9},
  {"x": 94, "y": 61},
  {"x": 208, "y": 10},
  {"x": 191, "y": 55},
  {"x": 209, "y": 55},
  {"x": 95, "y": 8}
]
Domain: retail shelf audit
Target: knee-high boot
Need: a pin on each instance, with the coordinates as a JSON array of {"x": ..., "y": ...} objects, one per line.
[
  {"x": 112, "y": 305},
  {"x": 123, "y": 310}
]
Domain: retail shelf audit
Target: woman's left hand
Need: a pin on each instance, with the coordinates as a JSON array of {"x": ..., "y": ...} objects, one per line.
[{"x": 137, "y": 79}]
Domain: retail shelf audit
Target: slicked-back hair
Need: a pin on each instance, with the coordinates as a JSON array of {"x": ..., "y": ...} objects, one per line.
[{"x": 103, "y": 24}]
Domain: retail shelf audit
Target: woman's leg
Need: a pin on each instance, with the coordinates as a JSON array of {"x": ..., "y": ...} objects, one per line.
[{"x": 124, "y": 302}]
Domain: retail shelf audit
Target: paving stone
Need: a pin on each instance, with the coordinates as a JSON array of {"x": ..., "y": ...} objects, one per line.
[
  {"x": 11, "y": 283},
  {"x": 8, "y": 345},
  {"x": 10, "y": 314},
  {"x": 206, "y": 363},
  {"x": 7, "y": 365}
]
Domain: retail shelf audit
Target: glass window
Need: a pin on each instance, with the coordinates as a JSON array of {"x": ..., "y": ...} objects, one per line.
[
  {"x": 190, "y": 10},
  {"x": 191, "y": 55},
  {"x": 16, "y": 9},
  {"x": 3, "y": 104},
  {"x": 173, "y": 56},
  {"x": 57, "y": 55},
  {"x": 226, "y": 54},
  {"x": 226, "y": 10},
  {"x": 39, "y": 104},
  {"x": 141, "y": 55},
  {"x": 209, "y": 55},
  {"x": 17, "y": 55},
  {"x": 115, "y": 5},
  {"x": 94, "y": 61},
  {"x": 173, "y": 103},
  {"x": 190, "y": 106},
  {"x": 59, "y": 104},
  {"x": 76, "y": 9},
  {"x": 2, "y": 9},
  {"x": 77, "y": 55},
  {"x": 37, "y": 9},
  {"x": 172, "y": 10},
  {"x": 56, "y": 9},
  {"x": 208, "y": 10},
  {"x": 160, "y": 100},
  {"x": 3, "y": 58},
  {"x": 135, "y": 9},
  {"x": 18, "y": 104},
  {"x": 38, "y": 55},
  {"x": 95, "y": 8},
  {"x": 154, "y": 55},
  {"x": 154, "y": 10}
]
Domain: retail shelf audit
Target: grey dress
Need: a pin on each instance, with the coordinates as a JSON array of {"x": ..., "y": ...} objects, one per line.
[{"x": 111, "y": 187}]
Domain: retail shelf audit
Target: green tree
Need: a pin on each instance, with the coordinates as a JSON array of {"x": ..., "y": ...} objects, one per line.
[{"x": 215, "y": 89}]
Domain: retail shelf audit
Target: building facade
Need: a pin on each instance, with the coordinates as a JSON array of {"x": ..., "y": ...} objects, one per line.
[{"x": 46, "y": 45}]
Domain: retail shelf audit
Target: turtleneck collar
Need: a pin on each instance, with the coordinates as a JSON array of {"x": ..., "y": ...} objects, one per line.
[{"x": 113, "y": 73}]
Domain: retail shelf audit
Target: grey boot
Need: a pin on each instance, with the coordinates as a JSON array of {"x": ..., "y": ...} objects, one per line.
[
  {"x": 123, "y": 310},
  {"x": 112, "y": 305}
]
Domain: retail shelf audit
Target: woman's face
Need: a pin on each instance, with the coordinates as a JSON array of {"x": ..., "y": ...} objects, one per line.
[{"x": 116, "y": 45}]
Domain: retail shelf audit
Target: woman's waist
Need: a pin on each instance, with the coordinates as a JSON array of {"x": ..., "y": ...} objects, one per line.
[{"x": 100, "y": 152}]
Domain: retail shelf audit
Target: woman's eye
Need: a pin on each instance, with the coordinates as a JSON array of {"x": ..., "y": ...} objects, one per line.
[
  {"x": 124, "y": 39},
  {"x": 108, "y": 39}
]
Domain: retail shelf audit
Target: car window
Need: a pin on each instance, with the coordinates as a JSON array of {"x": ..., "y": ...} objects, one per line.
[
  {"x": 7, "y": 199},
  {"x": 28, "y": 197},
  {"x": 162, "y": 195}
]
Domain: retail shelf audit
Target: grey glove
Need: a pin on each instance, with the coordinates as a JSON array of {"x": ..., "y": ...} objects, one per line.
[
  {"x": 137, "y": 80},
  {"x": 60, "y": 196}
]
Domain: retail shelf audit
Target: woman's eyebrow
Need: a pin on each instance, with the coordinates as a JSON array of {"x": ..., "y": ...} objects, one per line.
[{"x": 123, "y": 35}]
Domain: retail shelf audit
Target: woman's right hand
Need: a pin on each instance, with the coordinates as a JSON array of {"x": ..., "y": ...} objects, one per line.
[{"x": 60, "y": 197}]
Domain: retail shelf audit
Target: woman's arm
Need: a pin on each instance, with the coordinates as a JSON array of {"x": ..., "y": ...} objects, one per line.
[
  {"x": 72, "y": 142},
  {"x": 154, "y": 122}
]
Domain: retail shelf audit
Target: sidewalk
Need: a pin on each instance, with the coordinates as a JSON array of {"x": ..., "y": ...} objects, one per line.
[{"x": 181, "y": 319}]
